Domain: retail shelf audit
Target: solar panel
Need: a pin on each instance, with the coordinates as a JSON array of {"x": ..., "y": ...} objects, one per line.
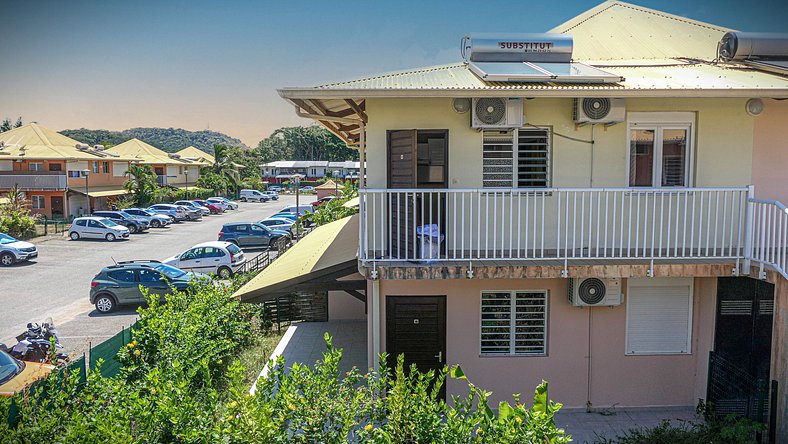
[{"x": 572, "y": 72}]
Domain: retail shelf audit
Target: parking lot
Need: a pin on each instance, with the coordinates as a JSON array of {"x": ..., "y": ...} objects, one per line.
[{"x": 57, "y": 284}]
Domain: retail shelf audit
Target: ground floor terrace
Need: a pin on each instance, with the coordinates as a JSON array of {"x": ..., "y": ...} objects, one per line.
[{"x": 662, "y": 342}]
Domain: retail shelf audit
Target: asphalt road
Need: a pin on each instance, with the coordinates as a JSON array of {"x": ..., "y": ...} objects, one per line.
[{"x": 57, "y": 284}]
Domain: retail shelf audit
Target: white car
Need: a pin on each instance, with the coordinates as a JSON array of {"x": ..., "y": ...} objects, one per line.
[
  {"x": 307, "y": 189},
  {"x": 12, "y": 250},
  {"x": 253, "y": 196},
  {"x": 193, "y": 206},
  {"x": 302, "y": 209},
  {"x": 222, "y": 202},
  {"x": 97, "y": 228},
  {"x": 220, "y": 258}
]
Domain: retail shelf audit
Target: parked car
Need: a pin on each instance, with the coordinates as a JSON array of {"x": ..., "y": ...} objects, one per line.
[
  {"x": 173, "y": 211},
  {"x": 13, "y": 250},
  {"x": 154, "y": 219},
  {"x": 285, "y": 215},
  {"x": 275, "y": 188},
  {"x": 193, "y": 206},
  {"x": 97, "y": 228},
  {"x": 323, "y": 201},
  {"x": 220, "y": 258},
  {"x": 253, "y": 196},
  {"x": 302, "y": 209},
  {"x": 251, "y": 234},
  {"x": 272, "y": 194},
  {"x": 134, "y": 224},
  {"x": 120, "y": 284},
  {"x": 278, "y": 223},
  {"x": 191, "y": 213},
  {"x": 228, "y": 203},
  {"x": 16, "y": 375},
  {"x": 307, "y": 189},
  {"x": 212, "y": 207}
]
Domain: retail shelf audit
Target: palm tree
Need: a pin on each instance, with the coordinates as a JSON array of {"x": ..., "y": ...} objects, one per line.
[
  {"x": 224, "y": 167},
  {"x": 141, "y": 184}
]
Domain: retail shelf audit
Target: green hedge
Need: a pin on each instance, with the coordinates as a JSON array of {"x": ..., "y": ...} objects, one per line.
[{"x": 181, "y": 381}]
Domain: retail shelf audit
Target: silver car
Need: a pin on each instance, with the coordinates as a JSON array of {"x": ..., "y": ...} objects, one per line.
[
  {"x": 154, "y": 219},
  {"x": 12, "y": 250},
  {"x": 193, "y": 206},
  {"x": 191, "y": 213}
]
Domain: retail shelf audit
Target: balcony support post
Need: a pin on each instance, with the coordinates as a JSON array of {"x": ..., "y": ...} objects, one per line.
[
  {"x": 748, "y": 230},
  {"x": 375, "y": 312}
]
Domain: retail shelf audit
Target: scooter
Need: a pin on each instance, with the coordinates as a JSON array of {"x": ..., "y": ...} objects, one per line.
[{"x": 35, "y": 344}]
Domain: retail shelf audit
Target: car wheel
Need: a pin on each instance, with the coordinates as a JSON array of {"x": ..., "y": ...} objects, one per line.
[
  {"x": 74, "y": 235},
  {"x": 224, "y": 272},
  {"x": 6, "y": 259},
  {"x": 110, "y": 237},
  {"x": 105, "y": 303},
  {"x": 243, "y": 199},
  {"x": 155, "y": 224},
  {"x": 133, "y": 229}
]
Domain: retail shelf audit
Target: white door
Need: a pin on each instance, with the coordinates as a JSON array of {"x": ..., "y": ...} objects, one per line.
[
  {"x": 95, "y": 229},
  {"x": 191, "y": 260},
  {"x": 212, "y": 259}
]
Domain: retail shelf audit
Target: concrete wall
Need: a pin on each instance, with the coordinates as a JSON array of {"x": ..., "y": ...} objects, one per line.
[
  {"x": 615, "y": 378},
  {"x": 770, "y": 152},
  {"x": 342, "y": 306},
  {"x": 100, "y": 179}
]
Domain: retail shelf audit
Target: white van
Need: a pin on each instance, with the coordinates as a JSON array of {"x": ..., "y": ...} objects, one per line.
[{"x": 253, "y": 196}]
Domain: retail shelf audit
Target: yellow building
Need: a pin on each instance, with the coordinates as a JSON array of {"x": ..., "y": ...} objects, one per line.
[{"x": 171, "y": 169}]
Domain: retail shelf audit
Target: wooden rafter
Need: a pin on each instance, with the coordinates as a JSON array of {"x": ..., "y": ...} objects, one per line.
[{"x": 357, "y": 108}]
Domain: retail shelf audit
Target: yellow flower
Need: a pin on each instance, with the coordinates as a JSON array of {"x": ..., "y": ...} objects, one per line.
[
  {"x": 291, "y": 406},
  {"x": 479, "y": 431},
  {"x": 136, "y": 352},
  {"x": 130, "y": 345},
  {"x": 233, "y": 404},
  {"x": 368, "y": 427},
  {"x": 229, "y": 417},
  {"x": 134, "y": 342},
  {"x": 518, "y": 419},
  {"x": 153, "y": 391}
]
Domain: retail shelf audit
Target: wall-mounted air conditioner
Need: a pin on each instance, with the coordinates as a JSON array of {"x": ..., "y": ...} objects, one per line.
[
  {"x": 594, "y": 292},
  {"x": 497, "y": 112},
  {"x": 599, "y": 110}
]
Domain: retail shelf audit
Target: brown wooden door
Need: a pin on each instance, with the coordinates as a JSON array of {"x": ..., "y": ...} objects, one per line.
[
  {"x": 57, "y": 206},
  {"x": 416, "y": 328},
  {"x": 402, "y": 175}
]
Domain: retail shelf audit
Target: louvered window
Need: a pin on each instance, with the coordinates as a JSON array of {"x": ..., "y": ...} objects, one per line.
[
  {"x": 514, "y": 323},
  {"x": 659, "y": 316},
  {"x": 516, "y": 159}
]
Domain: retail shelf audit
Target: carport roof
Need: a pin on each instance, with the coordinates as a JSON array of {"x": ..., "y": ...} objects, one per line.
[{"x": 314, "y": 263}]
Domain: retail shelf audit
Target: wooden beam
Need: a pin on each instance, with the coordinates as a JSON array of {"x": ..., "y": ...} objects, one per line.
[
  {"x": 331, "y": 126},
  {"x": 355, "y": 107},
  {"x": 358, "y": 295}
]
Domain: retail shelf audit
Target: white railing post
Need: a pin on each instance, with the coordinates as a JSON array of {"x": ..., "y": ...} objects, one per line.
[{"x": 749, "y": 231}]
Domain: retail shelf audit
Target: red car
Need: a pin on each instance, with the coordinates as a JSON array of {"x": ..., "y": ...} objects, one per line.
[
  {"x": 215, "y": 209},
  {"x": 320, "y": 202}
]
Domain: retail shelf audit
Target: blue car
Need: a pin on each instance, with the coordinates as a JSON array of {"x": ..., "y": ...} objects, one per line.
[{"x": 251, "y": 234}]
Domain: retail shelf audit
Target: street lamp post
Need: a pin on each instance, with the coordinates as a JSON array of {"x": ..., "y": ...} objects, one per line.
[
  {"x": 86, "y": 173},
  {"x": 186, "y": 172}
]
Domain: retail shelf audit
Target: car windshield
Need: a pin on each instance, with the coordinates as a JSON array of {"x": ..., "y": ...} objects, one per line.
[
  {"x": 125, "y": 214},
  {"x": 148, "y": 212},
  {"x": 170, "y": 271},
  {"x": 233, "y": 249},
  {"x": 108, "y": 223},
  {"x": 6, "y": 239},
  {"x": 8, "y": 367}
]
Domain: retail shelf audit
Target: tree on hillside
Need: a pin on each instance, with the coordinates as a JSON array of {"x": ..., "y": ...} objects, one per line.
[
  {"x": 7, "y": 125},
  {"x": 304, "y": 143},
  {"x": 142, "y": 184}
]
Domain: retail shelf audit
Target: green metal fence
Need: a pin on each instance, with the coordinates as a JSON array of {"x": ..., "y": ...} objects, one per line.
[{"x": 107, "y": 352}]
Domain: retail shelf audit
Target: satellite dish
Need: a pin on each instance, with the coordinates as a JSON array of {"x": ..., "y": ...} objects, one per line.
[{"x": 461, "y": 106}]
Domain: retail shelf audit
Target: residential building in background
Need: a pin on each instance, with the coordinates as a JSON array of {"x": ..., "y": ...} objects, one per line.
[
  {"x": 281, "y": 170},
  {"x": 50, "y": 168},
  {"x": 577, "y": 206},
  {"x": 171, "y": 169}
]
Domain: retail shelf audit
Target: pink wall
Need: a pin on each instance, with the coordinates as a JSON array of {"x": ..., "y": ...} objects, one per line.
[
  {"x": 770, "y": 151},
  {"x": 615, "y": 378}
]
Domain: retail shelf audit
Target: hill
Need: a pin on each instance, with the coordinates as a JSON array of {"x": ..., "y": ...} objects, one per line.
[{"x": 168, "y": 139}]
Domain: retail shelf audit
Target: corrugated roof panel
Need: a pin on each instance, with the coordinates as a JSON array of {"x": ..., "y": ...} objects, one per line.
[{"x": 32, "y": 141}]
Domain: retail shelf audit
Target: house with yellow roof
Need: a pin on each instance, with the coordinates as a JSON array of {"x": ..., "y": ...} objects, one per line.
[
  {"x": 59, "y": 174},
  {"x": 595, "y": 206},
  {"x": 171, "y": 169},
  {"x": 197, "y": 155}
]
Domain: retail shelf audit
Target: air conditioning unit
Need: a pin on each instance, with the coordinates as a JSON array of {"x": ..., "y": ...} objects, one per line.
[
  {"x": 497, "y": 112},
  {"x": 594, "y": 292},
  {"x": 599, "y": 110}
]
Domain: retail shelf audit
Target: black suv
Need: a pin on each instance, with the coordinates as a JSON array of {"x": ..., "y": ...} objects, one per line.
[{"x": 134, "y": 224}]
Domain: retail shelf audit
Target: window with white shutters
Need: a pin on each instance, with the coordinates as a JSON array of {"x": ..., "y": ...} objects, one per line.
[
  {"x": 514, "y": 323},
  {"x": 516, "y": 158},
  {"x": 659, "y": 316}
]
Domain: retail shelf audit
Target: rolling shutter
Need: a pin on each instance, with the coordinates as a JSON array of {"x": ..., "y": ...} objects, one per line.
[{"x": 659, "y": 316}]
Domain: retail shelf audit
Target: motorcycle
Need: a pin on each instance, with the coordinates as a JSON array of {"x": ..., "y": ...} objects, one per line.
[{"x": 35, "y": 345}]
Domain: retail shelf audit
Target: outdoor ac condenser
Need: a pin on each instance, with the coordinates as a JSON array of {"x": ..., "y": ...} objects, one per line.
[{"x": 594, "y": 292}]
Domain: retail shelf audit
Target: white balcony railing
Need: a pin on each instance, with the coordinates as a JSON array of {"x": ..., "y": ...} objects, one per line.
[
  {"x": 558, "y": 225},
  {"x": 769, "y": 235},
  {"x": 34, "y": 181}
]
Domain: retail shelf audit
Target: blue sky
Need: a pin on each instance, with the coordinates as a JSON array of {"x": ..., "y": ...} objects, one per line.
[{"x": 198, "y": 64}]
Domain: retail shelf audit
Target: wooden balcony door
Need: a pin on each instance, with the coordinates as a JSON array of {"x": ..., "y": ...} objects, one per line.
[{"x": 416, "y": 159}]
